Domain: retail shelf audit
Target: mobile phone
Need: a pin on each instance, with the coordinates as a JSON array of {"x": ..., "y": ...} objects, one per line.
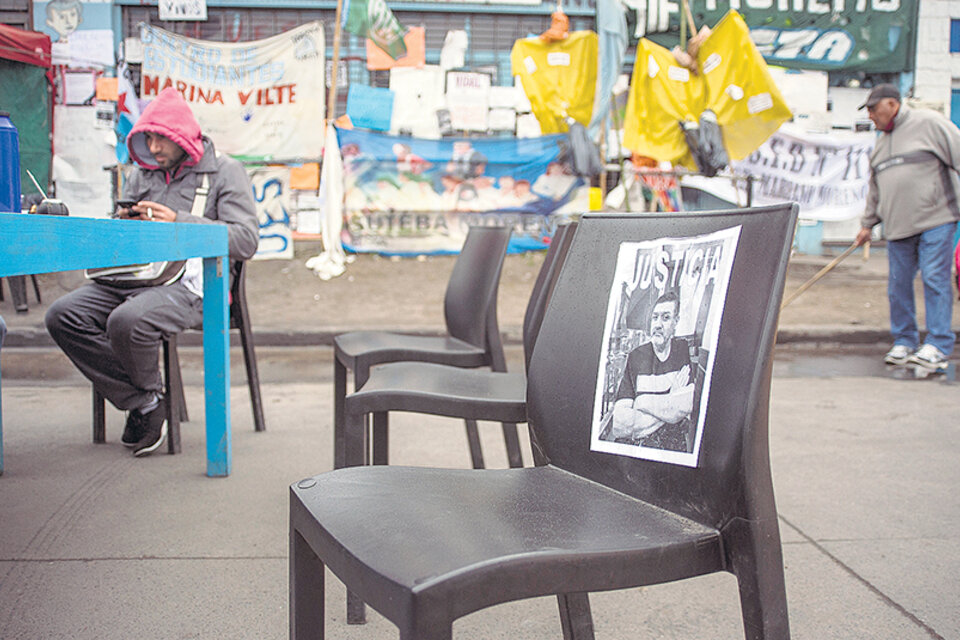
[{"x": 123, "y": 204}]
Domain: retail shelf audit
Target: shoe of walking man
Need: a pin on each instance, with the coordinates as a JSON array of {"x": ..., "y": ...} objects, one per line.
[{"x": 913, "y": 192}]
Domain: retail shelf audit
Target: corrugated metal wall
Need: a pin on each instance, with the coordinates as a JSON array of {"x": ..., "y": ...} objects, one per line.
[
  {"x": 491, "y": 34},
  {"x": 16, "y": 13}
]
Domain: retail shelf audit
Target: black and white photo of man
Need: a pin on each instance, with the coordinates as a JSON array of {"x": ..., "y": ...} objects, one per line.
[
  {"x": 655, "y": 396},
  {"x": 658, "y": 346}
]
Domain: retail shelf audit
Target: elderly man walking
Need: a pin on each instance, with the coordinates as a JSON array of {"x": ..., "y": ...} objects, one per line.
[{"x": 913, "y": 192}]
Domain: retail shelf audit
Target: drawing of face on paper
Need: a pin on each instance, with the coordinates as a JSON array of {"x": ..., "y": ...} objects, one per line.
[
  {"x": 64, "y": 17},
  {"x": 660, "y": 336}
]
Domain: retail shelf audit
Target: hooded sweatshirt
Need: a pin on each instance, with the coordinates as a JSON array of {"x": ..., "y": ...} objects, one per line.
[{"x": 230, "y": 198}]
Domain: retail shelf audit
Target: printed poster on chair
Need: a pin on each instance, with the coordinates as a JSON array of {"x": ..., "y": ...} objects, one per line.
[{"x": 660, "y": 336}]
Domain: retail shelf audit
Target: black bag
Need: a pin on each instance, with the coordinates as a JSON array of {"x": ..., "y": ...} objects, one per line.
[
  {"x": 585, "y": 158},
  {"x": 151, "y": 274},
  {"x": 131, "y": 276},
  {"x": 706, "y": 143}
]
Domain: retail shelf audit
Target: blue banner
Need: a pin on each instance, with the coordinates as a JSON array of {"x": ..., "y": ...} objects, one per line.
[{"x": 411, "y": 196}]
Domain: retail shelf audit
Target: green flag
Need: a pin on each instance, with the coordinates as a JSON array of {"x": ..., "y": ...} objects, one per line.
[{"x": 373, "y": 19}]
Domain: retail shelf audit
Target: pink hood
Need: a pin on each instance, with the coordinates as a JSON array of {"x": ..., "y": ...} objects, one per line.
[{"x": 170, "y": 116}]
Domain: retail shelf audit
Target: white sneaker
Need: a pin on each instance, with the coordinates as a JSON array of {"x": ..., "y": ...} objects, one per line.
[
  {"x": 899, "y": 354},
  {"x": 929, "y": 357}
]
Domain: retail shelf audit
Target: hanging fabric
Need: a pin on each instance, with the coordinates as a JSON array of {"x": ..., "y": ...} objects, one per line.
[{"x": 558, "y": 77}]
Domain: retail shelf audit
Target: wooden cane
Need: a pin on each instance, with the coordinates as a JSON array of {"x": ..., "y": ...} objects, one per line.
[{"x": 806, "y": 285}]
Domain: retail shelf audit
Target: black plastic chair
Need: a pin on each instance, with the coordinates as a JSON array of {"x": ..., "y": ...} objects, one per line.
[
  {"x": 472, "y": 340},
  {"x": 426, "y": 546},
  {"x": 173, "y": 381},
  {"x": 456, "y": 392}
]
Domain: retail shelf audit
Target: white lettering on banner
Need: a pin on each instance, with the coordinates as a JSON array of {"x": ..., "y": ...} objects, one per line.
[
  {"x": 827, "y": 177},
  {"x": 814, "y": 45}
]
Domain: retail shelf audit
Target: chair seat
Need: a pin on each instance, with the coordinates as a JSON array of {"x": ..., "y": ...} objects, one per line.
[
  {"x": 361, "y": 349},
  {"x": 423, "y": 387},
  {"x": 400, "y": 536}
]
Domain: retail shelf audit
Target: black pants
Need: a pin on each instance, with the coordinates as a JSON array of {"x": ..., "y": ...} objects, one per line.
[{"x": 113, "y": 335}]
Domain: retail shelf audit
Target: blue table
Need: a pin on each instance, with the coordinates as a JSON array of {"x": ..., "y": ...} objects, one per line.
[{"x": 40, "y": 244}]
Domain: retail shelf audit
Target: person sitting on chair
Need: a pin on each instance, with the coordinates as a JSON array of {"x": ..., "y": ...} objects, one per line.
[
  {"x": 655, "y": 396},
  {"x": 112, "y": 328}
]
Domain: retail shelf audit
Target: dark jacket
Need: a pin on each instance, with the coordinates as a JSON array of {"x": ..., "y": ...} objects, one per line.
[{"x": 230, "y": 200}]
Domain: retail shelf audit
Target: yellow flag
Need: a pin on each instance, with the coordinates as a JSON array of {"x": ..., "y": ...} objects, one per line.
[
  {"x": 559, "y": 78},
  {"x": 740, "y": 89},
  {"x": 661, "y": 94},
  {"x": 733, "y": 81}
]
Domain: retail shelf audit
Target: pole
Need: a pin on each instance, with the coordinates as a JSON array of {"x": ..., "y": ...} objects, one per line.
[
  {"x": 332, "y": 96},
  {"x": 806, "y": 285}
]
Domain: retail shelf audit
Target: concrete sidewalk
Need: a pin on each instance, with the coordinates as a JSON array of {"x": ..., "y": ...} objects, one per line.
[{"x": 95, "y": 544}]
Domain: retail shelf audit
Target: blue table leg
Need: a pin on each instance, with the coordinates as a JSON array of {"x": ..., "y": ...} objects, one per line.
[
  {"x": 3, "y": 334},
  {"x": 216, "y": 365}
]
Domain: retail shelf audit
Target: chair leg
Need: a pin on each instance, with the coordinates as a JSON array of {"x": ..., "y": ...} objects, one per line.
[
  {"x": 306, "y": 590},
  {"x": 18, "y": 293},
  {"x": 339, "y": 396},
  {"x": 434, "y": 632},
  {"x": 473, "y": 439},
  {"x": 176, "y": 404},
  {"x": 178, "y": 380},
  {"x": 253, "y": 375},
  {"x": 575, "y": 617},
  {"x": 36, "y": 288},
  {"x": 512, "y": 442},
  {"x": 99, "y": 419},
  {"x": 756, "y": 559},
  {"x": 354, "y": 455},
  {"x": 381, "y": 438}
]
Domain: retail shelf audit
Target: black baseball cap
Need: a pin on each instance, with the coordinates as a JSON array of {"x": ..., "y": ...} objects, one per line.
[{"x": 880, "y": 92}]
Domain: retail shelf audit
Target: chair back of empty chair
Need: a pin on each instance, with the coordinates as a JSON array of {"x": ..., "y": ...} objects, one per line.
[
  {"x": 651, "y": 371},
  {"x": 543, "y": 286},
  {"x": 470, "y": 302}
]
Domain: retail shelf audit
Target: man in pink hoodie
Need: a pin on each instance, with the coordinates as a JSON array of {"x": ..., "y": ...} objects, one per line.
[{"x": 112, "y": 328}]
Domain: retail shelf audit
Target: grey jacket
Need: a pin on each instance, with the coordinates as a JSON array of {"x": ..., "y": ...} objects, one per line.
[
  {"x": 230, "y": 199},
  {"x": 919, "y": 193}
]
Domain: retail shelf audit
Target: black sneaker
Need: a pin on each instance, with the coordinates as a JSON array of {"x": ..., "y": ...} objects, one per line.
[
  {"x": 133, "y": 430},
  {"x": 154, "y": 431}
]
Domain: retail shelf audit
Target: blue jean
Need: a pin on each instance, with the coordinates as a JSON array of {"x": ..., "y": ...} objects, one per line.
[{"x": 932, "y": 253}]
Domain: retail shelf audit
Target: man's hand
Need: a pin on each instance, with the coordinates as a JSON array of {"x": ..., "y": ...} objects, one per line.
[
  {"x": 864, "y": 235},
  {"x": 148, "y": 210}
]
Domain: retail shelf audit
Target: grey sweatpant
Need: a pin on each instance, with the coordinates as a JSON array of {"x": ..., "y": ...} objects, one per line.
[{"x": 113, "y": 335}]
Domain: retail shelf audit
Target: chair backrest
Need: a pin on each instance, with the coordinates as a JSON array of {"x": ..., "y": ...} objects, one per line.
[
  {"x": 543, "y": 286},
  {"x": 470, "y": 301},
  {"x": 596, "y": 318}
]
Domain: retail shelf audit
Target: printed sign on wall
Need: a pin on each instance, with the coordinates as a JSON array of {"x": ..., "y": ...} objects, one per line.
[
  {"x": 659, "y": 343},
  {"x": 261, "y": 100}
]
